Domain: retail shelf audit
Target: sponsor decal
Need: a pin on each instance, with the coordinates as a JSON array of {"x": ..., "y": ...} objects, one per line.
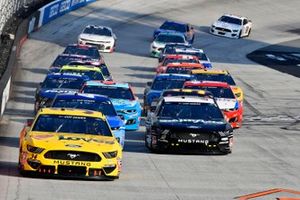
[
  {"x": 53, "y": 10},
  {"x": 73, "y": 155},
  {"x": 193, "y": 141},
  {"x": 65, "y": 5},
  {"x": 193, "y": 135},
  {"x": 259, "y": 195},
  {"x": 73, "y": 145},
  {"x": 190, "y": 120},
  {"x": 69, "y": 138},
  {"x": 72, "y": 162}
]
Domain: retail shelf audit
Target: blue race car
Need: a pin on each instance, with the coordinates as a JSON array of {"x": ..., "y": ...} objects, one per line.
[
  {"x": 162, "y": 82},
  {"x": 183, "y": 28},
  {"x": 56, "y": 83},
  {"x": 122, "y": 97},
  {"x": 96, "y": 103}
]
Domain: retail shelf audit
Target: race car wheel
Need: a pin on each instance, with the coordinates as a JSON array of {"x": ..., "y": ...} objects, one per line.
[
  {"x": 149, "y": 146},
  {"x": 240, "y": 34},
  {"x": 249, "y": 32}
]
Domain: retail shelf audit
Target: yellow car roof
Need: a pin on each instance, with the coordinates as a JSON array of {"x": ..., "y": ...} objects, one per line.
[
  {"x": 211, "y": 71},
  {"x": 71, "y": 111},
  {"x": 80, "y": 68},
  {"x": 189, "y": 91}
]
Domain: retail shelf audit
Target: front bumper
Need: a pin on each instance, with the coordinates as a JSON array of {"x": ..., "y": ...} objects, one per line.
[
  {"x": 132, "y": 121},
  {"x": 221, "y": 145},
  {"x": 155, "y": 52},
  {"x": 235, "y": 118},
  {"x": 36, "y": 164},
  {"x": 102, "y": 47},
  {"x": 227, "y": 33}
]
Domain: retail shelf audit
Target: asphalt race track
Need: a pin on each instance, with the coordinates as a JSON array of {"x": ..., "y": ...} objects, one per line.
[{"x": 266, "y": 152}]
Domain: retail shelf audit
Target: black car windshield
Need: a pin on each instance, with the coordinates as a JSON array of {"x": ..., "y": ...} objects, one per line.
[
  {"x": 83, "y": 50},
  {"x": 111, "y": 92},
  {"x": 72, "y": 124},
  {"x": 217, "y": 92},
  {"x": 179, "y": 70},
  {"x": 231, "y": 20},
  {"x": 170, "y": 38},
  {"x": 168, "y": 61},
  {"x": 93, "y": 75},
  {"x": 163, "y": 84},
  {"x": 188, "y": 110},
  {"x": 215, "y": 77},
  {"x": 64, "y": 60},
  {"x": 105, "y": 107},
  {"x": 97, "y": 31},
  {"x": 174, "y": 27},
  {"x": 63, "y": 82}
]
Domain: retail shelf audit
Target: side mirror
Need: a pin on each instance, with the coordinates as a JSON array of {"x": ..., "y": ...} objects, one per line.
[
  {"x": 149, "y": 84},
  {"x": 29, "y": 122}
]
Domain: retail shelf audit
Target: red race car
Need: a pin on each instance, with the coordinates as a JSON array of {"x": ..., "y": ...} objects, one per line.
[
  {"x": 175, "y": 58},
  {"x": 226, "y": 100}
]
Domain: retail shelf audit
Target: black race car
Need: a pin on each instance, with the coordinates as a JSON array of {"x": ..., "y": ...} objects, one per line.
[{"x": 188, "y": 122}]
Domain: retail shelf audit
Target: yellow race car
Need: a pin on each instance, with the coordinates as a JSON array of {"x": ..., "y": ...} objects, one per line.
[
  {"x": 220, "y": 76},
  {"x": 69, "y": 143},
  {"x": 94, "y": 73}
]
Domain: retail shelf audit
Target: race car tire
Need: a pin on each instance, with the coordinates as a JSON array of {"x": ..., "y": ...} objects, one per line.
[
  {"x": 240, "y": 34},
  {"x": 148, "y": 146},
  {"x": 249, "y": 32},
  {"x": 226, "y": 150}
]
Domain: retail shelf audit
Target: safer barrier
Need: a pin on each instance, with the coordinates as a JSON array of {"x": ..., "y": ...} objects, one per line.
[{"x": 37, "y": 19}]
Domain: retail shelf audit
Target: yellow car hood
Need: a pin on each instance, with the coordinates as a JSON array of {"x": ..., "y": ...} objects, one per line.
[{"x": 67, "y": 141}]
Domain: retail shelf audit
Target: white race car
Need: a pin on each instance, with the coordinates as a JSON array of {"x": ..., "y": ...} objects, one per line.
[
  {"x": 232, "y": 26},
  {"x": 100, "y": 36}
]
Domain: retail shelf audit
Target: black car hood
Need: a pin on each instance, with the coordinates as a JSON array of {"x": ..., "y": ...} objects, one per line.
[{"x": 200, "y": 125}]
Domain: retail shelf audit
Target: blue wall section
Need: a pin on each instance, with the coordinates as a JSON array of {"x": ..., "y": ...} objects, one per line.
[{"x": 59, "y": 8}]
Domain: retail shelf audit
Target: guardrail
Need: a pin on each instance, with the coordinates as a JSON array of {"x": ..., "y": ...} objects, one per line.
[{"x": 32, "y": 22}]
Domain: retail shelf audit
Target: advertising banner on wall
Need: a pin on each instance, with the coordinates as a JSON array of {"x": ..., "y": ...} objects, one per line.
[{"x": 59, "y": 8}]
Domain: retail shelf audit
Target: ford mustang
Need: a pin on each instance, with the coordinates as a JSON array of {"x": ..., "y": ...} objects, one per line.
[
  {"x": 93, "y": 102},
  {"x": 69, "y": 143},
  {"x": 232, "y": 26},
  {"x": 181, "y": 122},
  {"x": 122, "y": 97}
]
